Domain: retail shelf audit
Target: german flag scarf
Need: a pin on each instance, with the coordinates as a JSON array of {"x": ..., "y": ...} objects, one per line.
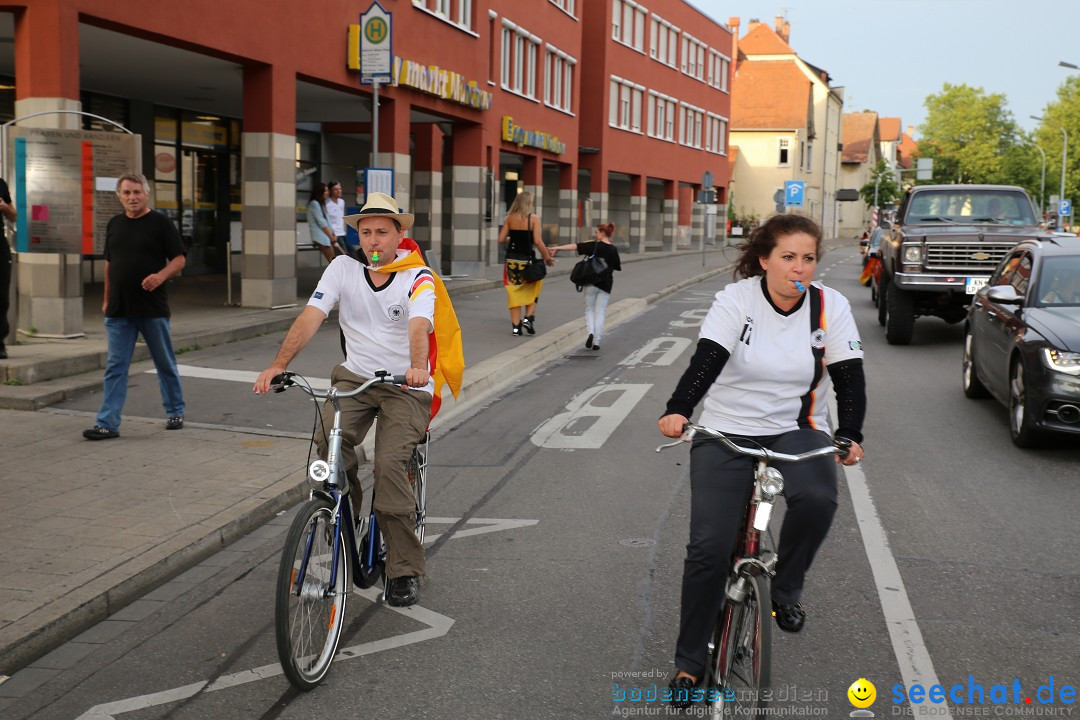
[{"x": 446, "y": 359}]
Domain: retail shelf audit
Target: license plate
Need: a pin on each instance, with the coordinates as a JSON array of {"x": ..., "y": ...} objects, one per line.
[{"x": 973, "y": 285}]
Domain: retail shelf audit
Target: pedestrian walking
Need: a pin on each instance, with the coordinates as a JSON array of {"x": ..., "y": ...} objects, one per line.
[
  {"x": 322, "y": 237},
  {"x": 335, "y": 215},
  {"x": 142, "y": 250},
  {"x": 520, "y": 233},
  {"x": 7, "y": 212},
  {"x": 598, "y": 293}
]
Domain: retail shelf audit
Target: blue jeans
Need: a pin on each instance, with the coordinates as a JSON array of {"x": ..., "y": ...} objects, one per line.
[{"x": 122, "y": 334}]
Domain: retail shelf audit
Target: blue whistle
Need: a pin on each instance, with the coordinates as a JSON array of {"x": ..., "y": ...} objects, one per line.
[{"x": 799, "y": 286}]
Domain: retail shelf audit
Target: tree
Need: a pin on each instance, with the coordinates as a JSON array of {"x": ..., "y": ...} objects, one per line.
[
  {"x": 969, "y": 134},
  {"x": 1062, "y": 113},
  {"x": 888, "y": 191}
]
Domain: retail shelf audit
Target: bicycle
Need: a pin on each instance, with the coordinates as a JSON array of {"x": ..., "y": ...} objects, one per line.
[
  {"x": 738, "y": 667},
  {"x": 321, "y": 547}
]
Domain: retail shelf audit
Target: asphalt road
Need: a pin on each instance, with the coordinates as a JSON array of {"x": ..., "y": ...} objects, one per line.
[{"x": 570, "y": 583}]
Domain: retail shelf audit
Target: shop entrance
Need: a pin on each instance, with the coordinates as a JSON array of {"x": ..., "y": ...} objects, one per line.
[{"x": 204, "y": 224}]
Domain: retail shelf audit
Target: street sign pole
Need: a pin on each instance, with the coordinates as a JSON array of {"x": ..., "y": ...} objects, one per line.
[
  {"x": 376, "y": 62},
  {"x": 374, "y": 125}
]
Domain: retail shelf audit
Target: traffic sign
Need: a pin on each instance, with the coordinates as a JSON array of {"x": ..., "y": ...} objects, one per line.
[
  {"x": 794, "y": 190},
  {"x": 376, "y": 45},
  {"x": 1065, "y": 207}
]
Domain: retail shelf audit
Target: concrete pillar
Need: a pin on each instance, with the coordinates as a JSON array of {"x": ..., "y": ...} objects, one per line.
[
  {"x": 467, "y": 195},
  {"x": 268, "y": 146},
  {"x": 427, "y": 202},
  {"x": 568, "y": 208},
  {"x": 394, "y": 151},
  {"x": 697, "y": 225},
  {"x": 638, "y": 232},
  {"x": 671, "y": 214}
]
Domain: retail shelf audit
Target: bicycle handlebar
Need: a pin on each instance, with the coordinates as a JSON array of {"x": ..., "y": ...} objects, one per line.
[
  {"x": 285, "y": 380},
  {"x": 840, "y": 446}
]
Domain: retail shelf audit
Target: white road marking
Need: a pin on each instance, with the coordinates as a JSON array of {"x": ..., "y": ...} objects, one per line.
[
  {"x": 665, "y": 349},
  {"x": 916, "y": 666},
  {"x": 586, "y": 425},
  {"x": 437, "y": 626},
  {"x": 692, "y": 318}
]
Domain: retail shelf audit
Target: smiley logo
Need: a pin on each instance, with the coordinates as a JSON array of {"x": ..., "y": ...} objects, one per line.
[{"x": 862, "y": 693}]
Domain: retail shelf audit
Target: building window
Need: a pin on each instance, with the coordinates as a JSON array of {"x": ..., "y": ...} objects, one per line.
[
  {"x": 809, "y": 156},
  {"x": 625, "y": 106},
  {"x": 663, "y": 40},
  {"x": 464, "y": 13},
  {"x": 784, "y": 152},
  {"x": 715, "y": 134},
  {"x": 558, "y": 78},
  {"x": 693, "y": 57},
  {"x": 690, "y": 125},
  {"x": 628, "y": 23},
  {"x": 455, "y": 12},
  {"x": 566, "y": 6},
  {"x": 519, "y": 55},
  {"x": 661, "y": 116},
  {"x": 718, "y": 70}
]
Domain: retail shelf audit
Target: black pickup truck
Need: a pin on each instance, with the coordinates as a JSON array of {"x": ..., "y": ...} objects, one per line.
[{"x": 944, "y": 245}]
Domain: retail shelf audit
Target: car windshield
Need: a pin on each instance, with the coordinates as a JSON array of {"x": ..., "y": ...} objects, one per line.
[
  {"x": 964, "y": 205},
  {"x": 1059, "y": 281}
]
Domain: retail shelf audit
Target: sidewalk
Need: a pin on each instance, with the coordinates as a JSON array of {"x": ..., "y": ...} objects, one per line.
[{"x": 87, "y": 528}]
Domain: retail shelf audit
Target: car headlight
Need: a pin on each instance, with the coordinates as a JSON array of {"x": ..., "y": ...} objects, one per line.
[
  {"x": 1061, "y": 361},
  {"x": 913, "y": 253}
]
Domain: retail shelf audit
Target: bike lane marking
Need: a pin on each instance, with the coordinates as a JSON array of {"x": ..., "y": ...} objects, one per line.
[
  {"x": 916, "y": 666},
  {"x": 437, "y": 626}
]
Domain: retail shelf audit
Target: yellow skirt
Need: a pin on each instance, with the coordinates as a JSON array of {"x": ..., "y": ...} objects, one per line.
[{"x": 518, "y": 292}]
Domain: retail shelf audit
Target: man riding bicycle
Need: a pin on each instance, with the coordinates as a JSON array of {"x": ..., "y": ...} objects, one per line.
[{"x": 393, "y": 313}]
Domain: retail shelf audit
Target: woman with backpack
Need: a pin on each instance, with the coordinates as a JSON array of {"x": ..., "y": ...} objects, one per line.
[{"x": 599, "y": 292}]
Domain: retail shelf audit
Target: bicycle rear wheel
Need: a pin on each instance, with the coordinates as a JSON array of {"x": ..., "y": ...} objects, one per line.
[
  {"x": 309, "y": 614},
  {"x": 741, "y": 661},
  {"x": 418, "y": 478}
]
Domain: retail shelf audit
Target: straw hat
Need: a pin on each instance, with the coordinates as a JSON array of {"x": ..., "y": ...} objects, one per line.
[{"x": 380, "y": 204}]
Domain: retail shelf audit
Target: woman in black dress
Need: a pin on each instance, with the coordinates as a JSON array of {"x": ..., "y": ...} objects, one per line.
[{"x": 597, "y": 294}]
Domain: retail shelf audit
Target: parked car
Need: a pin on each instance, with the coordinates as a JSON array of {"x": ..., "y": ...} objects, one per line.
[
  {"x": 946, "y": 241},
  {"x": 1022, "y": 339}
]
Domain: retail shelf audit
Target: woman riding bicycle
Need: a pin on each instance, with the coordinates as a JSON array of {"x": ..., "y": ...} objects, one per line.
[{"x": 766, "y": 353}]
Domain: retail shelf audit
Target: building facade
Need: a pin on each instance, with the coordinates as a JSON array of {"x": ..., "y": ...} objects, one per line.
[
  {"x": 861, "y": 154},
  {"x": 485, "y": 100}
]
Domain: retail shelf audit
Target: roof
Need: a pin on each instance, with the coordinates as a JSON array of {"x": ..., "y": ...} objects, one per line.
[
  {"x": 858, "y": 137},
  {"x": 763, "y": 40},
  {"x": 770, "y": 94},
  {"x": 889, "y": 129},
  {"x": 906, "y": 151}
]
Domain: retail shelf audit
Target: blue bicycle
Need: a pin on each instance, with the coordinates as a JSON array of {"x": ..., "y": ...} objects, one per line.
[{"x": 323, "y": 546}]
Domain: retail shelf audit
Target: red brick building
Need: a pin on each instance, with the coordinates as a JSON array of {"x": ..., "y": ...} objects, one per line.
[{"x": 243, "y": 106}]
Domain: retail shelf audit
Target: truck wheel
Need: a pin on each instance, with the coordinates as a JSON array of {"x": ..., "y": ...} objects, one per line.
[
  {"x": 899, "y": 316},
  {"x": 882, "y": 297}
]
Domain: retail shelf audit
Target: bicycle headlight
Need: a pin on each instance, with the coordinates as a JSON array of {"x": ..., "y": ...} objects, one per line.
[
  {"x": 1061, "y": 361},
  {"x": 772, "y": 482},
  {"x": 319, "y": 471}
]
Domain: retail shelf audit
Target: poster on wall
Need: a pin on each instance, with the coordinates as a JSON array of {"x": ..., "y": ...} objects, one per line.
[{"x": 64, "y": 186}]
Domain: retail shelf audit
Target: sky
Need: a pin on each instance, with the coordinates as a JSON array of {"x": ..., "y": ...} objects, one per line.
[{"x": 890, "y": 54}]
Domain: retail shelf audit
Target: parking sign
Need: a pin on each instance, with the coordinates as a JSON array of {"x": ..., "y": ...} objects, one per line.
[
  {"x": 1065, "y": 207},
  {"x": 793, "y": 193}
]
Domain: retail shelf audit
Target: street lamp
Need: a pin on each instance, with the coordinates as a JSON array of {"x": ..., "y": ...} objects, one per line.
[
  {"x": 1069, "y": 65},
  {"x": 1064, "y": 156}
]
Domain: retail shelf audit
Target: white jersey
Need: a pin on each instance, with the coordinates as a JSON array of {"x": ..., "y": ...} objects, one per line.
[
  {"x": 775, "y": 380},
  {"x": 375, "y": 321},
  {"x": 335, "y": 215}
]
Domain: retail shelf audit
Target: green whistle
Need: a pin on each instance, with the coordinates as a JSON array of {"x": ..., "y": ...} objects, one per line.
[{"x": 375, "y": 257}]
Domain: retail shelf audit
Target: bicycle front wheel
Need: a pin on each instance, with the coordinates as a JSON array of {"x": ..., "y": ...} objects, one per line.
[
  {"x": 740, "y": 665},
  {"x": 309, "y": 611}
]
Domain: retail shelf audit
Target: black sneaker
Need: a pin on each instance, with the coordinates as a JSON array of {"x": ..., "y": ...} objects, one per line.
[
  {"x": 175, "y": 423},
  {"x": 403, "y": 591},
  {"x": 588, "y": 341},
  {"x": 596, "y": 346},
  {"x": 790, "y": 618},
  {"x": 528, "y": 323},
  {"x": 99, "y": 433},
  {"x": 683, "y": 690},
  {"x": 517, "y": 329}
]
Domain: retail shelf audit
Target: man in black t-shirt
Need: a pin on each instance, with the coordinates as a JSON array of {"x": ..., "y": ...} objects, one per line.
[
  {"x": 142, "y": 251},
  {"x": 7, "y": 211}
]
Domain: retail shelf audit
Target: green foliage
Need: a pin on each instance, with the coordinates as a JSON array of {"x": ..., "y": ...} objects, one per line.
[
  {"x": 888, "y": 191},
  {"x": 969, "y": 135},
  {"x": 1063, "y": 113}
]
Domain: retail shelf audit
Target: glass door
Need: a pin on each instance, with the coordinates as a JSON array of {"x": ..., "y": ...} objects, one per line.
[{"x": 204, "y": 221}]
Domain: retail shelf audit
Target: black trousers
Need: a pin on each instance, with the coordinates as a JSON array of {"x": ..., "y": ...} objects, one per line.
[
  {"x": 721, "y": 483},
  {"x": 5, "y": 288}
]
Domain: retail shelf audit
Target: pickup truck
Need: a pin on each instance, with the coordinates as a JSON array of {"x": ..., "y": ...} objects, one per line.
[{"x": 944, "y": 245}]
